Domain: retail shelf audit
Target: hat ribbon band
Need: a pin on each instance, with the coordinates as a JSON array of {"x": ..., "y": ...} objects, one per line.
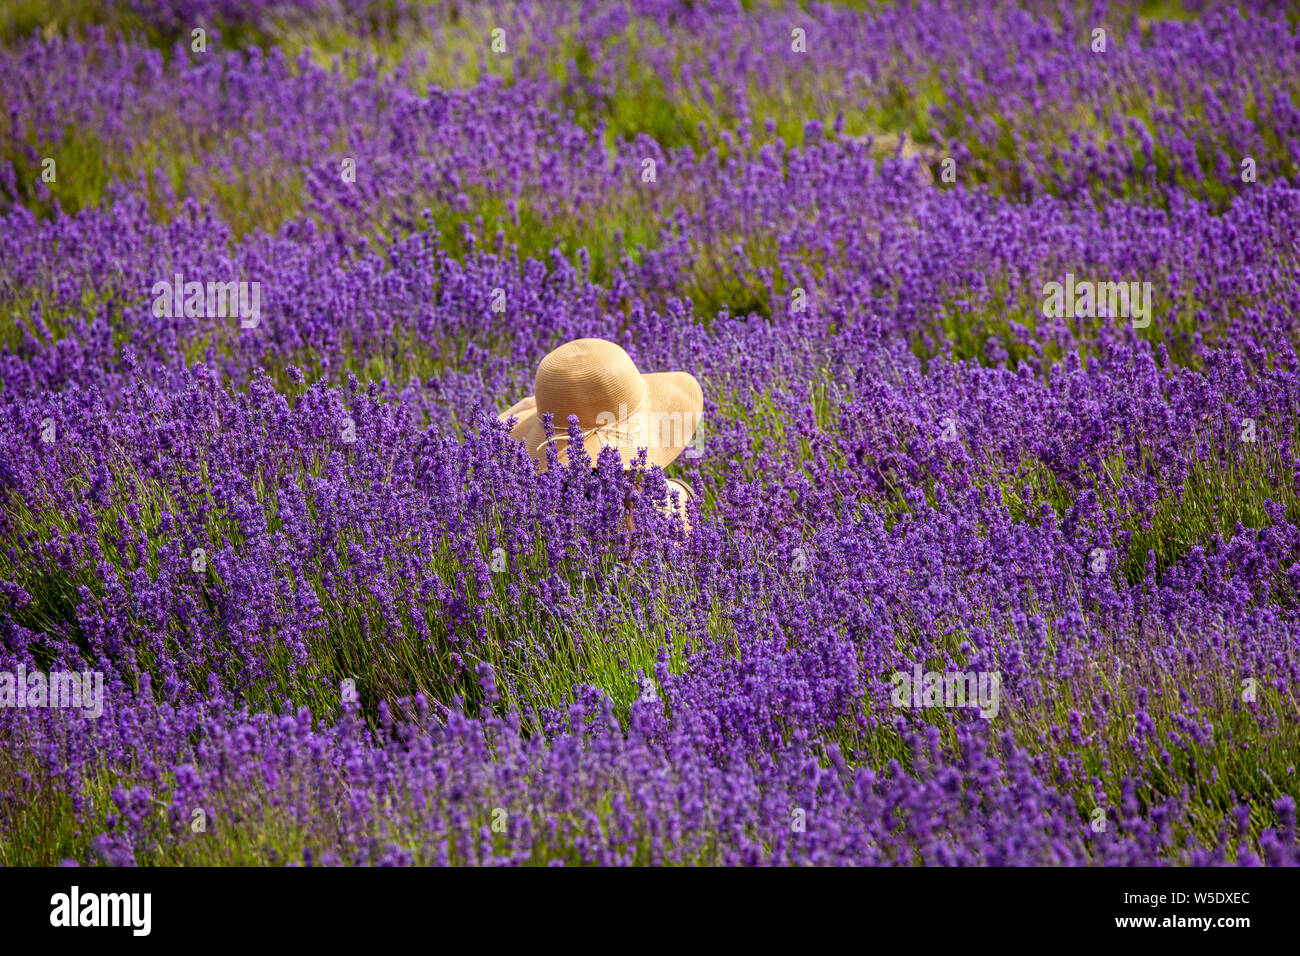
[{"x": 608, "y": 426}]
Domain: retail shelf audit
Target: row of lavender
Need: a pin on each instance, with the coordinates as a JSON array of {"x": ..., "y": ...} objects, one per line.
[
  {"x": 907, "y": 467},
  {"x": 837, "y": 254},
  {"x": 481, "y": 792},
  {"x": 1031, "y": 101}
]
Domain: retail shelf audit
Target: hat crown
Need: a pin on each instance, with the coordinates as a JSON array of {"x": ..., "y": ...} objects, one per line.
[{"x": 587, "y": 378}]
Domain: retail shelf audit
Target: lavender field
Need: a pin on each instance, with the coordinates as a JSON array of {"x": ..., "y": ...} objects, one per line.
[{"x": 994, "y": 554}]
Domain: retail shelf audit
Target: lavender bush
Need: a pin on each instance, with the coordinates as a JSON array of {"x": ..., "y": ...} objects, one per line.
[{"x": 342, "y": 618}]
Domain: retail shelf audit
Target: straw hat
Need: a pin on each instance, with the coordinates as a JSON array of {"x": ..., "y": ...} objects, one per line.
[{"x": 615, "y": 404}]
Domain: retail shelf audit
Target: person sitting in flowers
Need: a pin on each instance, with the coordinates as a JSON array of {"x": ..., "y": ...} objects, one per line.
[{"x": 616, "y": 405}]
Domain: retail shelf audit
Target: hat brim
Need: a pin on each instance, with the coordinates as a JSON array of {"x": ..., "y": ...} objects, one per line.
[{"x": 664, "y": 426}]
